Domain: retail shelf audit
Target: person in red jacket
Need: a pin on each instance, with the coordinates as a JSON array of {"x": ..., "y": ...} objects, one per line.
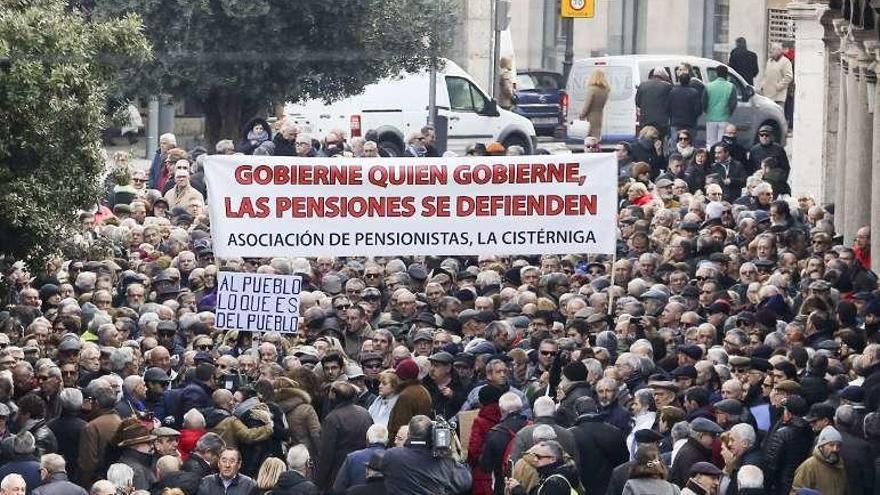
[{"x": 489, "y": 416}]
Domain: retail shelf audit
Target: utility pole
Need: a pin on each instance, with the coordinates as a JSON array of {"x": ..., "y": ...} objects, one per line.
[
  {"x": 568, "y": 32},
  {"x": 501, "y": 15}
]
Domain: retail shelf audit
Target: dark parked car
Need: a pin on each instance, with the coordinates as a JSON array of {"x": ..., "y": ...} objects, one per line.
[{"x": 541, "y": 98}]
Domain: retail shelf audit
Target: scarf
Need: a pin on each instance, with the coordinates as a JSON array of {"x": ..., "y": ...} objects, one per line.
[
  {"x": 259, "y": 137},
  {"x": 686, "y": 152}
]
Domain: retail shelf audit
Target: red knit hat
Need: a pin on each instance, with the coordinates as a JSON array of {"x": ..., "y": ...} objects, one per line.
[{"x": 407, "y": 370}]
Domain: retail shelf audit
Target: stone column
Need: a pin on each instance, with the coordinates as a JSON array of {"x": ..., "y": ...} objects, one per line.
[
  {"x": 858, "y": 152},
  {"x": 811, "y": 73},
  {"x": 875, "y": 177},
  {"x": 840, "y": 27}
]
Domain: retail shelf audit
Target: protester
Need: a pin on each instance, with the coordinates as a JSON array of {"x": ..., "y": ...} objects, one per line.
[{"x": 732, "y": 327}]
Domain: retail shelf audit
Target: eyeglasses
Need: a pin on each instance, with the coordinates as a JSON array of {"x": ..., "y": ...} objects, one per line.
[
  {"x": 707, "y": 292},
  {"x": 372, "y": 275},
  {"x": 548, "y": 353},
  {"x": 342, "y": 307},
  {"x": 204, "y": 347},
  {"x": 763, "y": 134}
]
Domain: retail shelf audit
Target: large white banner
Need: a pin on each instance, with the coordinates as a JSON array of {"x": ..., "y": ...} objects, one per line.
[
  {"x": 257, "y": 302},
  {"x": 264, "y": 206}
]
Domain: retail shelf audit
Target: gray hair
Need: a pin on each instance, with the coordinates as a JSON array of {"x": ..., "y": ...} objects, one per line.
[
  {"x": 121, "y": 475},
  {"x": 750, "y": 476},
  {"x": 845, "y": 416},
  {"x": 103, "y": 486},
  {"x": 744, "y": 431},
  {"x": 223, "y": 146},
  {"x": 496, "y": 327},
  {"x": 543, "y": 432},
  {"x": 554, "y": 447},
  {"x": 544, "y": 407},
  {"x": 167, "y": 464},
  {"x": 121, "y": 357},
  {"x": 9, "y": 479},
  {"x": 644, "y": 397},
  {"x": 297, "y": 457},
  {"x": 210, "y": 442},
  {"x": 509, "y": 403},
  {"x": 53, "y": 463},
  {"x": 100, "y": 390},
  {"x": 377, "y": 434},
  {"x": 193, "y": 419},
  {"x": 71, "y": 400},
  {"x": 130, "y": 382},
  {"x": 680, "y": 430}
]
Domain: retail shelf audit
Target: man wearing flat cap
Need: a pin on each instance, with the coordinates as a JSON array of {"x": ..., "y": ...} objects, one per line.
[
  {"x": 704, "y": 479},
  {"x": 697, "y": 448}
]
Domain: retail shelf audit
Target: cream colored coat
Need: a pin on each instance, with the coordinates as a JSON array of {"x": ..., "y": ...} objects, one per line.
[{"x": 778, "y": 75}]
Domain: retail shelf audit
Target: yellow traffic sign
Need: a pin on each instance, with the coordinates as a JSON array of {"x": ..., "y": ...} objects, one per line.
[{"x": 578, "y": 8}]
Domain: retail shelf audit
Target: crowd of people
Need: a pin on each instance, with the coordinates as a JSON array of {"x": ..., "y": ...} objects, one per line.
[{"x": 730, "y": 347}]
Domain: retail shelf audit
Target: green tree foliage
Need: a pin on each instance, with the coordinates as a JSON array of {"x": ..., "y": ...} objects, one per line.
[
  {"x": 55, "y": 67},
  {"x": 240, "y": 57}
]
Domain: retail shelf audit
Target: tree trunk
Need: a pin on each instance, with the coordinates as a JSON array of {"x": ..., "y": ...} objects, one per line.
[{"x": 225, "y": 115}]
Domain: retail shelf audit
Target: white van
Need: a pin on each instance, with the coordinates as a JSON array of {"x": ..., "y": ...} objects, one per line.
[
  {"x": 626, "y": 72},
  {"x": 398, "y": 106}
]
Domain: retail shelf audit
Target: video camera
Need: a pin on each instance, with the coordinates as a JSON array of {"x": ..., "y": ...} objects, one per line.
[{"x": 443, "y": 440}]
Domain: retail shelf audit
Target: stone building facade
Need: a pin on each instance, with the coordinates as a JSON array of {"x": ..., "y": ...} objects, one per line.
[{"x": 836, "y": 139}]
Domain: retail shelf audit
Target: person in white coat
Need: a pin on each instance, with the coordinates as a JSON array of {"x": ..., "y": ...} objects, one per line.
[{"x": 778, "y": 75}]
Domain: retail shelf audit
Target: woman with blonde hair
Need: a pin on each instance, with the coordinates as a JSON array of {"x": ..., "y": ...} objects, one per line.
[
  {"x": 389, "y": 390},
  {"x": 268, "y": 475},
  {"x": 594, "y": 102}
]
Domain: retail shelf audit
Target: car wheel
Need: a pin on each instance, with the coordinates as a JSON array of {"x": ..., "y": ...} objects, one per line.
[
  {"x": 517, "y": 140},
  {"x": 391, "y": 147}
]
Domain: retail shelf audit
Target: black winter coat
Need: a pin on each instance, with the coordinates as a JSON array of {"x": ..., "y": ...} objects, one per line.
[
  {"x": 871, "y": 386},
  {"x": 344, "y": 430},
  {"x": 652, "y": 99},
  {"x": 254, "y": 454},
  {"x": 759, "y": 152},
  {"x": 186, "y": 481},
  {"x": 745, "y": 63},
  {"x": 197, "y": 466},
  {"x": 736, "y": 172},
  {"x": 619, "y": 477},
  {"x": 373, "y": 486},
  {"x": 566, "y": 414},
  {"x": 497, "y": 438},
  {"x": 689, "y": 454},
  {"x": 856, "y": 455},
  {"x": 785, "y": 450},
  {"x": 284, "y": 147},
  {"x": 293, "y": 483},
  {"x": 685, "y": 106},
  {"x": 413, "y": 470},
  {"x": 67, "y": 429},
  {"x": 601, "y": 448}
]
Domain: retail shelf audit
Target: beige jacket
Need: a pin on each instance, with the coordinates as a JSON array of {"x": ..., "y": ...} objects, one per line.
[{"x": 778, "y": 75}]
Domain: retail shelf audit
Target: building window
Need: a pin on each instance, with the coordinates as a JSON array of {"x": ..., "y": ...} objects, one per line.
[{"x": 721, "y": 41}]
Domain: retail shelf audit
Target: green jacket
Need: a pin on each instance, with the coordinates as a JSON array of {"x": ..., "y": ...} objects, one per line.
[{"x": 719, "y": 100}]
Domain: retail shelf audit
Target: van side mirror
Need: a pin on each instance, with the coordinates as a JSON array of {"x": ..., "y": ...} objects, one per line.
[
  {"x": 750, "y": 92},
  {"x": 490, "y": 109}
]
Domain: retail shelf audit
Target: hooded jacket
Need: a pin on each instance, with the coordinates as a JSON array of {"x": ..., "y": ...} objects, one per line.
[
  {"x": 819, "y": 474},
  {"x": 303, "y": 425},
  {"x": 252, "y": 414}
]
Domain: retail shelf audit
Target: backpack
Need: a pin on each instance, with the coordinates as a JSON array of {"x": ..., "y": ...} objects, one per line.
[{"x": 506, "y": 466}]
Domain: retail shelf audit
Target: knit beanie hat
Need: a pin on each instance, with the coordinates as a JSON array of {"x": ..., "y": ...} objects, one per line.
[
  {"x": 575, "y": 371},
  {"x": 407, "y": 370},
  {"x": 829, "y": 434},
  {"x": 489, "y": 394}
]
